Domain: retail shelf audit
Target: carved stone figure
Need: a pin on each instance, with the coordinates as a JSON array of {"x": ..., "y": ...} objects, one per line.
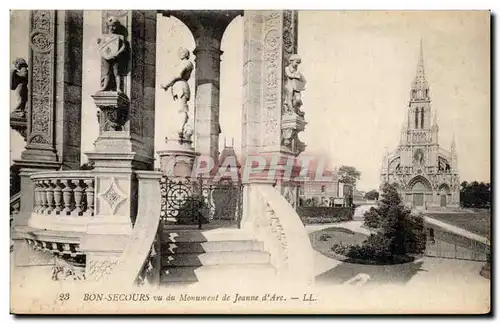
[
  {"x": 19, "y": 83},
  {"x": 181, "y": 94},
  {"x": 295, "y": 83},
  {"x": 112, "y": 48},
  {"x": 419, "y": 157}
]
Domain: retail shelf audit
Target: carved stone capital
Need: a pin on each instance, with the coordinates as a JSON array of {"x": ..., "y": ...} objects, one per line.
[
  {"x": 114, "y": 108},
  {"x": 291, "y": 125}
]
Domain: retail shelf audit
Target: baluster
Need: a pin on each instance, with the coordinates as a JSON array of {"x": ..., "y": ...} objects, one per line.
[
  {"x": 43, "y": 197},
  {"x": 67, "y": 193},
  {"x": 37, "y": 195},
  {"x": 49, "y": 190},
  {"x": 57, "y": 196},
  {"x": 89, "y": 192},
  {"x": 78, "y": 192}
]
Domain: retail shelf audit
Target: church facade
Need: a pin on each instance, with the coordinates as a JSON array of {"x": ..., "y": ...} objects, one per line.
[{"x": 424, "y": 173}]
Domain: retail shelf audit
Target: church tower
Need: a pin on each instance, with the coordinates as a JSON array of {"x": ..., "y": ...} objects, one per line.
[
  {"x": 419, "y": 108},
  {"x": 425, "y": 174}
]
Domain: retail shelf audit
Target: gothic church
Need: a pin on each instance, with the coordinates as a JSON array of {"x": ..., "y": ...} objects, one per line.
[{"x": 425, "y": 174}]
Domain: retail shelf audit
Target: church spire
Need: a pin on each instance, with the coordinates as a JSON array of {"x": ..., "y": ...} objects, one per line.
[
  {"x": 453, "y": 145},
  {"x": 419, "y": 86}
]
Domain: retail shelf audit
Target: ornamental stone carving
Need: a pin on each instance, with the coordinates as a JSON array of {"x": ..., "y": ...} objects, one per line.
[
  {"x": 113, "y": 196},
  {"x": 41, "y": 41},
  {"x": 42, "y": 75},
  {"x": 113, "y": 110}
]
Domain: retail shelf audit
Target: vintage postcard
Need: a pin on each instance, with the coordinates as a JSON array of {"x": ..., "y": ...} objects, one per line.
[{"x": 250, "y": 162}]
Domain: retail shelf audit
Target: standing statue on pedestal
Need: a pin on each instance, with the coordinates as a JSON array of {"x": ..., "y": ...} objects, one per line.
[
  {"x": 19, "y": 83},
  {"x": 295, "y": 83},
  {"x": 111, "y": 48},
  {"x": 181, "y": 94}
]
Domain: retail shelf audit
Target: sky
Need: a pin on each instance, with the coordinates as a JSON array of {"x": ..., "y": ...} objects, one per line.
[{"x": 359, "y": 66}]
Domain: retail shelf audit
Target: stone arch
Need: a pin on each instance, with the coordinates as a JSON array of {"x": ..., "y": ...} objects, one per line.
[
  {"x": 230, "y": 119},
  {"x": 419, "y": 183},
  {"x": 420, "y": 190},
  {"x": 444, "y": 188}
]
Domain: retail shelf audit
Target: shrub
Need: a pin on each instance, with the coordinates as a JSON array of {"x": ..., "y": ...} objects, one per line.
[
  {"x": 320, "y": 215},
  {"x": 401, "y": 234},
  {"x": 372, "y": 218}
]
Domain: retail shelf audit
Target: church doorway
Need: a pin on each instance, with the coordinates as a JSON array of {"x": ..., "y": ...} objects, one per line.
[
  {"x": 443, "y": 200},
  {"x": 418, "y": 199},
  {"x": 421, "y": 191},
  {"x": 444, "y": 191}
]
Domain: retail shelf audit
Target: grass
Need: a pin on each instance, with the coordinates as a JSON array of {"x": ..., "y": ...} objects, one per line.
[
  {"x": 477, "y": 222},
  {"x": 323, "y": 240}
]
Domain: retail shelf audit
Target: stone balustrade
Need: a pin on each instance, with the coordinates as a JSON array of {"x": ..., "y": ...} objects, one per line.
[
  {"x": 64, "y": 193},
  {"x": 63, "y": 200}
]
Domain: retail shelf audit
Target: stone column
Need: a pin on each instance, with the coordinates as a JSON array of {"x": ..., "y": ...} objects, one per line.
[
  {"x": 207, "y": 128},
  {"x": 126, "y": 132},
  {"x": 54, "y": 104},
  {"x": 270, "y": 40}
]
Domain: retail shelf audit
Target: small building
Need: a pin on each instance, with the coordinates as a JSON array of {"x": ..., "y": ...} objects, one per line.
[{"x": 329, "y": 192}]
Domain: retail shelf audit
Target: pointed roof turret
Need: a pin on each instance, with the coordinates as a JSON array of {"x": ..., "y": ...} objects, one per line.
[
  {"x": 419, "y": 86},
  {"x": 453, "y": 145}
]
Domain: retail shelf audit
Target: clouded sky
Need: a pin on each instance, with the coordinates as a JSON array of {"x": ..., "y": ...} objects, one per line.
[{"x": 358, "y": 66}]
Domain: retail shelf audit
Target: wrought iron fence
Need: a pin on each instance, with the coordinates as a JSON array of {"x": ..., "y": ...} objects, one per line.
[{"x": 187, "y": 201}]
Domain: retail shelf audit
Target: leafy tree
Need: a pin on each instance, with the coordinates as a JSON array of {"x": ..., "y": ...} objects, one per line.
[
  {"x": 372, "y": 195},
  {"x": 475, "y": 194},
  {"x": 348, "y": 174}
]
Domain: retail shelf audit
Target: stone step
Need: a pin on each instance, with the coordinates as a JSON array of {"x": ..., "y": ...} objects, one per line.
[
  {"x": 212, "y": 246},
  {"x": 217, "y": 273},
  {"x": 215, "y": 258},
  {"x": 190, "y": 235}
]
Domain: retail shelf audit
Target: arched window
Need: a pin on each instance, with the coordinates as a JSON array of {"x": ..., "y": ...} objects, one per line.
[
  {"x": 421, "y": 117},
  {"x": 416, "y": 118}
]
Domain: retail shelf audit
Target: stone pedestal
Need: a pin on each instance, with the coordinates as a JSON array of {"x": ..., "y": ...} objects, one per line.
[
  {"x": 291, "y": 125},
  {"x": 117, "y": 148},
  {"x": 177, "y": 159}
]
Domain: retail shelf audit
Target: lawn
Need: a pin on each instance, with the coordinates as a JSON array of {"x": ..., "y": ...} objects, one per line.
[
  {"x": 477, "y": 222},
  {"x": 323, "y": 240}
]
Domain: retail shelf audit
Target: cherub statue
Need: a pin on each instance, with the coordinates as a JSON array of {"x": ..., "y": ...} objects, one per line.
[
  {"x": 19, "y": 83},
  {"x": 111, "y": 48},
  {"x": 295, "y": 83},
  {"x": 181, "y": 93}
]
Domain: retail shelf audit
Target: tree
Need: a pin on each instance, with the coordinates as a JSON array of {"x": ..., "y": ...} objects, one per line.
[
  {"x": 475, "y": 194},
  {"x": 348, "y": 174},
  {"x": 372, "y": 195},
  {"x": 400, "y": 232}
]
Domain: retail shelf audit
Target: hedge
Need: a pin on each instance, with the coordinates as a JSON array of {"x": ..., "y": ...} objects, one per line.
[{"x": 321, "y": 215}]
